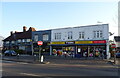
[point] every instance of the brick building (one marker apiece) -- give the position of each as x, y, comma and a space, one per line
19, 40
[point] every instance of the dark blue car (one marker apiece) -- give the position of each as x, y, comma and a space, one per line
117, 55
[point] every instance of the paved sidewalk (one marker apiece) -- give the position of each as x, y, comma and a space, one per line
57, 60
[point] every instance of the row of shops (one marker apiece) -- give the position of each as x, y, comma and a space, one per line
98, 48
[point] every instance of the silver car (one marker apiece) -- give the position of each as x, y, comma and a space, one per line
10, 53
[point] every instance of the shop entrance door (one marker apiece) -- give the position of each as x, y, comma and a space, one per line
82, 51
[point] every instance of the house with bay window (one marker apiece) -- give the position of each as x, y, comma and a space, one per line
80, 40
19, 40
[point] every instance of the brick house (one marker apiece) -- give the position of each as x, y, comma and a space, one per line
19, 40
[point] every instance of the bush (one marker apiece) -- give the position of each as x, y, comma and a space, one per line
18, 51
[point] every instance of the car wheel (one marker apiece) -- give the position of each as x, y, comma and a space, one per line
5, 54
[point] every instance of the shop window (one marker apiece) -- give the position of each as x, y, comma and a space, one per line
70, 35
81, 35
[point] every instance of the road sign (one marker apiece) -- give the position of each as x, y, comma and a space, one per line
40, 43
113, 46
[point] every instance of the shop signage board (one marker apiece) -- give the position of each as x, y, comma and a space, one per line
70, 42
57, 42
83, 42
80, 42
100, 41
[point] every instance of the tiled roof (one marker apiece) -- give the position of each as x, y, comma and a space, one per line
21, 35
117, 38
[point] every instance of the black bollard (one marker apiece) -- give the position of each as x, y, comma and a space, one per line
34, 57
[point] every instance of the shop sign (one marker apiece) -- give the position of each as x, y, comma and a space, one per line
70, 42
83, 42
100, 41
57, 42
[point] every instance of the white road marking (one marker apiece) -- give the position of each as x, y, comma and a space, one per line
28, 74
8, 61
22, 63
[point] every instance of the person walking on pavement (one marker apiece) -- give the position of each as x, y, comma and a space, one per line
65, 54
85, 54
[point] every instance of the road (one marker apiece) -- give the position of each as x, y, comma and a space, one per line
11, 68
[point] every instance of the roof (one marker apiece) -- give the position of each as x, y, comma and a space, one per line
80, 26
117, 38
21, 35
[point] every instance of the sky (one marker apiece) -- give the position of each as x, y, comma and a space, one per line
51, 15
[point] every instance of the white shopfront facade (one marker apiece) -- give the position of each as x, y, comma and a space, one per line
77, 40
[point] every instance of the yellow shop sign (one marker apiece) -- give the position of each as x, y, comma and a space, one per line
83, 42
57, 42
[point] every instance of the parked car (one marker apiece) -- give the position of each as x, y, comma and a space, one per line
117, 55
10, 53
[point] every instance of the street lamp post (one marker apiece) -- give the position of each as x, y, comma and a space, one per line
114, 46
32, 47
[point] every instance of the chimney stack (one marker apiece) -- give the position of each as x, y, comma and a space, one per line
15, 31
11, 32
24, 28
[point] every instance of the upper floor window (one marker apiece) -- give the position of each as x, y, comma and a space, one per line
57, 36
28, 40
98, 34
70, 35
19, 40
12, 42
36, 37
7, 42
45, 37
81, 35
23, 40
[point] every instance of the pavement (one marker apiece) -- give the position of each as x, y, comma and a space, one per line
58, 60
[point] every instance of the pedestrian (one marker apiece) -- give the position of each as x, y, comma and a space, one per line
91, 55
65, 54
58, 53
72, 55
105, 56
85, 54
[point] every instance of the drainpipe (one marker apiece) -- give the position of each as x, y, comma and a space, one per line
107, 49
50, 50
32, 47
